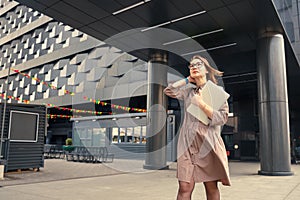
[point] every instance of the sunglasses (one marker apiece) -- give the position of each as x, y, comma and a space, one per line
197, 65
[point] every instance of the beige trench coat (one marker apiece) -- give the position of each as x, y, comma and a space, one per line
201, 153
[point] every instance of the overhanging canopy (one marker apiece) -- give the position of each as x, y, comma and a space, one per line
227, 29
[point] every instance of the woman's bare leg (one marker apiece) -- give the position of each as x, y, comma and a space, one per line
212, 190
185, 190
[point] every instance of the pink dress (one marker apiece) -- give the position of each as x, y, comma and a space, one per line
201, 151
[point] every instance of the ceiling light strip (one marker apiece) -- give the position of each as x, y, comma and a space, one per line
207, 33
222, 46
130, 7
174, 20
195, 36
209, 49
156, 26
188, 16
175, 41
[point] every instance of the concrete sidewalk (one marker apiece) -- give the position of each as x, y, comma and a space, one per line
126, 179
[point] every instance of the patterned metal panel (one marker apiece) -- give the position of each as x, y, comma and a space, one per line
98, 71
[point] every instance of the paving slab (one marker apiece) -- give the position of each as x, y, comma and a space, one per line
126, 179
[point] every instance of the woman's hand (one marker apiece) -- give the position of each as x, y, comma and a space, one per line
191, 80
197, 100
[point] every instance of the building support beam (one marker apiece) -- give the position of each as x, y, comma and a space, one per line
275, 156
156, 144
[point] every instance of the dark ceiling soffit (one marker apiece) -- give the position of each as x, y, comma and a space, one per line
267, 20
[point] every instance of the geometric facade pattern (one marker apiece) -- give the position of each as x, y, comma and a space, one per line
99, 71
16, 19
24, 48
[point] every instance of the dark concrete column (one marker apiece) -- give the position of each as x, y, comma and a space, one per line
156, 113
273, 106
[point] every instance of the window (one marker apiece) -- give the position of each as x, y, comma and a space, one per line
99, 135
89, 137
23, 126
129, 135
115, 135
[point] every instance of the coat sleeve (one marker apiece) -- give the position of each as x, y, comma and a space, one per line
220, 116
177, 93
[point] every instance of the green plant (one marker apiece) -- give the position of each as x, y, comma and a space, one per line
69, 141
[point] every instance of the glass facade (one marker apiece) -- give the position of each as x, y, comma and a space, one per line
288, 11
108, 130
89, 137
125, 137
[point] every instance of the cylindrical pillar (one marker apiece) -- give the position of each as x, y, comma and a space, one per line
273, 106
156, 113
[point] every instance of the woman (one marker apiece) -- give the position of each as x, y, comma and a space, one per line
201, 151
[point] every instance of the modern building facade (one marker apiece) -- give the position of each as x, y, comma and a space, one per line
75, 66
55, 64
